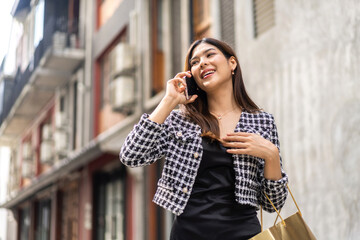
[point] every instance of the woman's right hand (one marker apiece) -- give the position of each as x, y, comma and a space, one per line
176, 87
174, 95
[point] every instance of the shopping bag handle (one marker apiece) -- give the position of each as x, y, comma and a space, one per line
278, 212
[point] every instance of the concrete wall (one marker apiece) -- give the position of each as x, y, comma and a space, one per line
306, 72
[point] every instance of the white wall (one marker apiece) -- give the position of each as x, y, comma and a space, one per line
306, 72
4, 173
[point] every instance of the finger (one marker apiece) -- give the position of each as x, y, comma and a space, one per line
181, 82
245, 134
237, 151
235, 138
192, 99
178, 84
183, 74
235, 145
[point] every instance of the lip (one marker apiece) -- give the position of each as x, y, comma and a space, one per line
205, 71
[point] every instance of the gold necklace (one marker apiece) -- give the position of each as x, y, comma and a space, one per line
219, 117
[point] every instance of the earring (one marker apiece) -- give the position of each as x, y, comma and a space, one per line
232, 72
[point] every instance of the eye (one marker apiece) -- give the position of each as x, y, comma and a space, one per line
194, 62
210, 54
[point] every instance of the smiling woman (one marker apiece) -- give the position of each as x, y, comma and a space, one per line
221, 151
202, 57
218, 64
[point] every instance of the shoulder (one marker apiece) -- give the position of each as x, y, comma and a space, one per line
178, 118
259, 118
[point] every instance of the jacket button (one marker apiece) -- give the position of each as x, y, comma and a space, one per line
179, 134
196, 155
185, 190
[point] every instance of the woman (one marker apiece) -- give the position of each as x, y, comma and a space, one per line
221, 151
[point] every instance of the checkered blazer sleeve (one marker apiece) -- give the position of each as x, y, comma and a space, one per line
276, 190
145, 144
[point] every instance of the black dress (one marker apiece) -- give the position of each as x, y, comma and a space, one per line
212, 212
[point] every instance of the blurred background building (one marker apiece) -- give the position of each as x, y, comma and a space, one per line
85, 71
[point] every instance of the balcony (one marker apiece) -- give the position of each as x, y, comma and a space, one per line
55, 59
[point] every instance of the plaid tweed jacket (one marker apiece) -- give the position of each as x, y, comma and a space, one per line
179, 141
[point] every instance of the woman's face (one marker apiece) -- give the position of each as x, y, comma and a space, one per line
210, 68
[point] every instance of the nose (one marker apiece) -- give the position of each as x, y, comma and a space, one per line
203, 62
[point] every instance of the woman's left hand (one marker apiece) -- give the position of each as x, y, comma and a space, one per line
250, 144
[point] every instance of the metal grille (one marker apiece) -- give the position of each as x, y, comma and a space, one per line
264, 16
227, 22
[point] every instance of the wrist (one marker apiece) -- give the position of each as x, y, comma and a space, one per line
273, 155
169, 101
163, 110
272, 169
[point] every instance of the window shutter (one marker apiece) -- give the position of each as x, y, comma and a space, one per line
227, 22
264, 15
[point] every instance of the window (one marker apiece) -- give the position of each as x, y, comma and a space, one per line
201, 19
43, 217
109, 206
69, 211
75, 141
107, 65
105, 80
157, 51
46, 146
27, 159
157, 225
74, 8
39, 22
61, 122
24, 224
264, 16
112, 94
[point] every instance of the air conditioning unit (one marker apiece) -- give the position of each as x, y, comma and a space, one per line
60, 120
122, 92
59, 40
26, 151
60, 142
46, 152
27, 169
122, 59
46, 132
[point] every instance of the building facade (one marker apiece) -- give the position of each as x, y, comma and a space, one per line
87, 70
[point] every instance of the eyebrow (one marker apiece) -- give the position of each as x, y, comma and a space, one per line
207, 50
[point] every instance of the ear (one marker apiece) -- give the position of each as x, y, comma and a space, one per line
232, 62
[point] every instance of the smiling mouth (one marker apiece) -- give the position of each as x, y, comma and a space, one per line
207, 74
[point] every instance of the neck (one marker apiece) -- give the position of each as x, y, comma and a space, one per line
222, 100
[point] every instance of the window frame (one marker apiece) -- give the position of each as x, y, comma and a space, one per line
102, 180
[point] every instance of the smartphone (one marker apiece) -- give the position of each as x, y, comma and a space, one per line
191, 87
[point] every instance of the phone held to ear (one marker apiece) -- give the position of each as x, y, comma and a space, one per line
191, 87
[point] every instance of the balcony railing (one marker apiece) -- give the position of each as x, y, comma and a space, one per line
57, 33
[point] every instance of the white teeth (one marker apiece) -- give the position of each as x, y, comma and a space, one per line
207, 73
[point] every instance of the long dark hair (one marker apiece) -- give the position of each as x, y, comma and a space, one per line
198, 111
